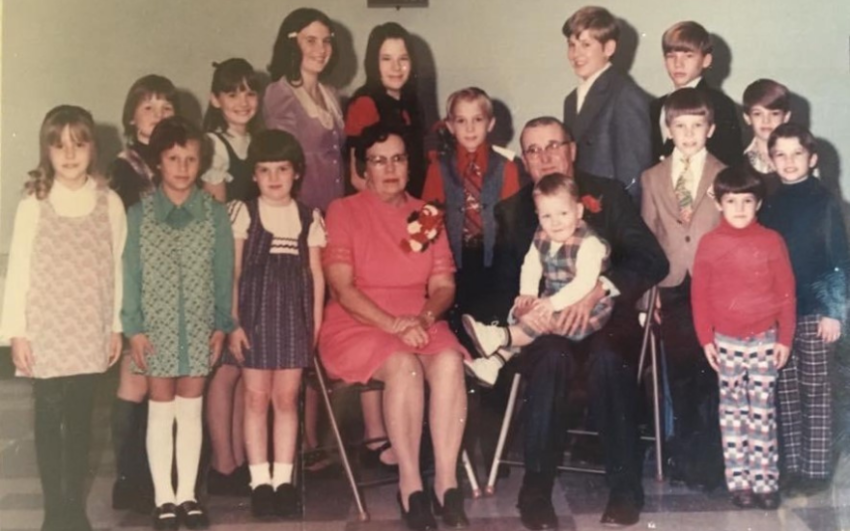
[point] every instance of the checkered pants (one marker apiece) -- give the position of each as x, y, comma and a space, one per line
804, 400
747, 419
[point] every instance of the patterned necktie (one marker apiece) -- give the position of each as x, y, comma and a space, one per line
683, 192
472, 224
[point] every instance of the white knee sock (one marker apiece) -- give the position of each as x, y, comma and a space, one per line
188, 445
281, 474
160, 446
260, 474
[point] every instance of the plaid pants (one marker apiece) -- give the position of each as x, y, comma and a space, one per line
747, 420
804, 400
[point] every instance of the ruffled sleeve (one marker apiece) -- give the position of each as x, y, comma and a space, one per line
340, 244
316, 236
443, 263
279, 107
217, 173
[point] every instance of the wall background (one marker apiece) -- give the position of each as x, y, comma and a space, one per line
89, 52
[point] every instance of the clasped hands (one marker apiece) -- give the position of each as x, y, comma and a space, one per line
538, 312
411, 329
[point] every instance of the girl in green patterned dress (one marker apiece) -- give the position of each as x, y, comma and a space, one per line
178, 272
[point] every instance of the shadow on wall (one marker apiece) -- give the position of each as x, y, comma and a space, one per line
345, 69
624, 57
110, 142
426, 87
721, 63
503, 130
190, 107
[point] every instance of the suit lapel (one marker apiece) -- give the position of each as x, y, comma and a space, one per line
594, 101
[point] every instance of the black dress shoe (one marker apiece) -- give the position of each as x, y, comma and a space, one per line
262, 501
165, 517
286, 501
371, 458
621, 511
452, 509
418, 516
743, 499
536, 510
192, 515
769, 501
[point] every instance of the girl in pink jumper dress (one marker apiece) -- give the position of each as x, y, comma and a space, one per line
60, 310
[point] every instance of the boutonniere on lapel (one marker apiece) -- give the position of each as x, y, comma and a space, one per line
592, 204
423, 227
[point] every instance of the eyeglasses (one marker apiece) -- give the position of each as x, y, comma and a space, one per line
381, 162
535, 151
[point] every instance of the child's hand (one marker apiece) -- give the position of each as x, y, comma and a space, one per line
711, 355
544, 308
216, 344
782, 354
829, 329
522, 305
140, 348
114, 348
238, 342
22, 355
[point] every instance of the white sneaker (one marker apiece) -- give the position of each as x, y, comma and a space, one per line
487, 338
485, 370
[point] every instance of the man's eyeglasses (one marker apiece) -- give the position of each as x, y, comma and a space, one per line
535, 151
381, 161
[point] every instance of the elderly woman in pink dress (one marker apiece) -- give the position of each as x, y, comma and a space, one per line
384, 322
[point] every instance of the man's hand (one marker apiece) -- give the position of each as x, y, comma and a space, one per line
782, 354
140, 348
711, 355
829, 329
216, 344
238, 343
22, 355
575, 317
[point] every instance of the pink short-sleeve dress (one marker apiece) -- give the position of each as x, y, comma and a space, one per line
366, 233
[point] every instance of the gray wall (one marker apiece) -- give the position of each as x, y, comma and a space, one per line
88, 52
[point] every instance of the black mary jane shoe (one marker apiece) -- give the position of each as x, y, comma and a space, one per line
262, 501
371, 458
769, 501
743, 499
418, 516
165, 517
451, 511
192, 516
286, 501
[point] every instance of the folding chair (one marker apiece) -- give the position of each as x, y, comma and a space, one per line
648, 343
363, 514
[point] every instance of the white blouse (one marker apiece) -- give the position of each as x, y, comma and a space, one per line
282, 221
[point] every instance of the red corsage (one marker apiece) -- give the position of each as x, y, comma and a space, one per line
423, 226
592, 204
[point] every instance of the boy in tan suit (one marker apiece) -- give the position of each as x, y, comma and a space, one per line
678, 206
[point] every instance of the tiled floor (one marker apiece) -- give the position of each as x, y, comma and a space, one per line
578, 498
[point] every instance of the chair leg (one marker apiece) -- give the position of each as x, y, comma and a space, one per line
363, 515
470, 475
656, 409
503, 435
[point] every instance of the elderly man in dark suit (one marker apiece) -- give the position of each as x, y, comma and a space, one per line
609, 356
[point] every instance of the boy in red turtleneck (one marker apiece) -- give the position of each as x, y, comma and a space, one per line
744, 313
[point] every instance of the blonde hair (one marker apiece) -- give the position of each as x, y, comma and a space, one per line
471, 94
81, 128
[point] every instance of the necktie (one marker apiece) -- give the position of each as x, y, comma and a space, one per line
683, 193
472, 225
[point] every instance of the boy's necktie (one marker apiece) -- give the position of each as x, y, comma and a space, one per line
683, 192
472, 224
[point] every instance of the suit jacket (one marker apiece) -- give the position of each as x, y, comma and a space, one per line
726, 143
637, 261
660, 211
612, 130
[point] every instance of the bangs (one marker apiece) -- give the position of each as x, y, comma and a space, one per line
80, 132
235, 76
681, 46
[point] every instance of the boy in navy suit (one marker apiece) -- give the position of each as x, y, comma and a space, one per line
687, 54
607, 112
